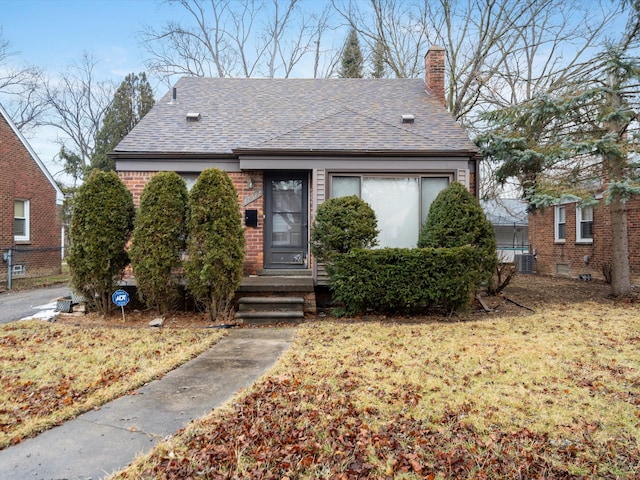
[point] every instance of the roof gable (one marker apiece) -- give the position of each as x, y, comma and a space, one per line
33, 155
347, 115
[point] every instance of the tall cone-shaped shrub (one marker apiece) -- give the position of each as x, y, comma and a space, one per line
456, 219
101, 224
159, 237
215, 243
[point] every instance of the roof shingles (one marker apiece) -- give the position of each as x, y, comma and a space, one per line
347, 115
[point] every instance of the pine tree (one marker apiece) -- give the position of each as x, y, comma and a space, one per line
352, 60
378, 70
132, 101
567, 141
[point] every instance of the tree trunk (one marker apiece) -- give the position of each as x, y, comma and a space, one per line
620, 274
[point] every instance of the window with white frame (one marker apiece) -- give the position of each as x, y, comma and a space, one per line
401, 203
560, 223
584, 224
21, 221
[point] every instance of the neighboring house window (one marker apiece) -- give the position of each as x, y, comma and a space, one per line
560, 224
584, 224
401, 203
21, 220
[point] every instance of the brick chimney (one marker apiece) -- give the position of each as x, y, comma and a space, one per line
434, 76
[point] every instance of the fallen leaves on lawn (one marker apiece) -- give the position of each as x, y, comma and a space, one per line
553, 395
51, 372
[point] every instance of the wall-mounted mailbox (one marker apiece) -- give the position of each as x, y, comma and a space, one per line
251, 218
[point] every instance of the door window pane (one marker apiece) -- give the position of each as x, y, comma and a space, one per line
287, 231
286, 218
396, 203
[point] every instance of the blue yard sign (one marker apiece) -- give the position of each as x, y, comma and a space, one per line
120, 298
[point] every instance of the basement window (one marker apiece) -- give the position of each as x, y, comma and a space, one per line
18, 270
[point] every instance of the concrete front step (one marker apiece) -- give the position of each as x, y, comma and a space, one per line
256, 318
270, 309
271, 303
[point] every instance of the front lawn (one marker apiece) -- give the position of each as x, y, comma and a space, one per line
52, 372
551, 395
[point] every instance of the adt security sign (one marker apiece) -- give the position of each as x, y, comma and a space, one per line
120, 298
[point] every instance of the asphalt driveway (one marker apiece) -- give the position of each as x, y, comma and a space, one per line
39, 302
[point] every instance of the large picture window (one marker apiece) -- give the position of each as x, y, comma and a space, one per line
21, 221
401, 203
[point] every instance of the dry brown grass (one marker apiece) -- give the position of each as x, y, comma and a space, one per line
551, 395
53, 372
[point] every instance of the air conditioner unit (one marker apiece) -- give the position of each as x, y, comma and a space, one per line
525, 263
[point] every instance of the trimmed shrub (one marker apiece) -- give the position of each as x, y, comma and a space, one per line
101, 224
342, 224
215, 242
159, 237
401, 280
456, 219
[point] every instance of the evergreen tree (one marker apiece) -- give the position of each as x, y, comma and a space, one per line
101, 223
158, 239
378, 70
581, 135
132, 101
215, 243
352, 60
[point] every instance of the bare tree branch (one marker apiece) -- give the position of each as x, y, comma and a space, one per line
20, 89
78, 102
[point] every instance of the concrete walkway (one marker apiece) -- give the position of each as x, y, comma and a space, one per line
103, 441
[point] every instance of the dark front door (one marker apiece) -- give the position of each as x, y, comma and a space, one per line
286, 223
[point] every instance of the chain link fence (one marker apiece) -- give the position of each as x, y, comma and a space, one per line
22, 263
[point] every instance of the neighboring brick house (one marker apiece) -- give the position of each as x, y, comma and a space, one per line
289, 144
571, 241
30, 201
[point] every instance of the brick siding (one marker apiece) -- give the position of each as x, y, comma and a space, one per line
254, 252
23, 179
568, 258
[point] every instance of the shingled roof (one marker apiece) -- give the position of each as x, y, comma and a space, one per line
350, 116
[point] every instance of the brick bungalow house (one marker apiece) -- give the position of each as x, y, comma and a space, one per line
289, 144
571, 241
30, 202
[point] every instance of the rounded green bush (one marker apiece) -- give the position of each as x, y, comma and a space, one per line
159, 237
341, 225
456, 219
101, 224
215, 242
